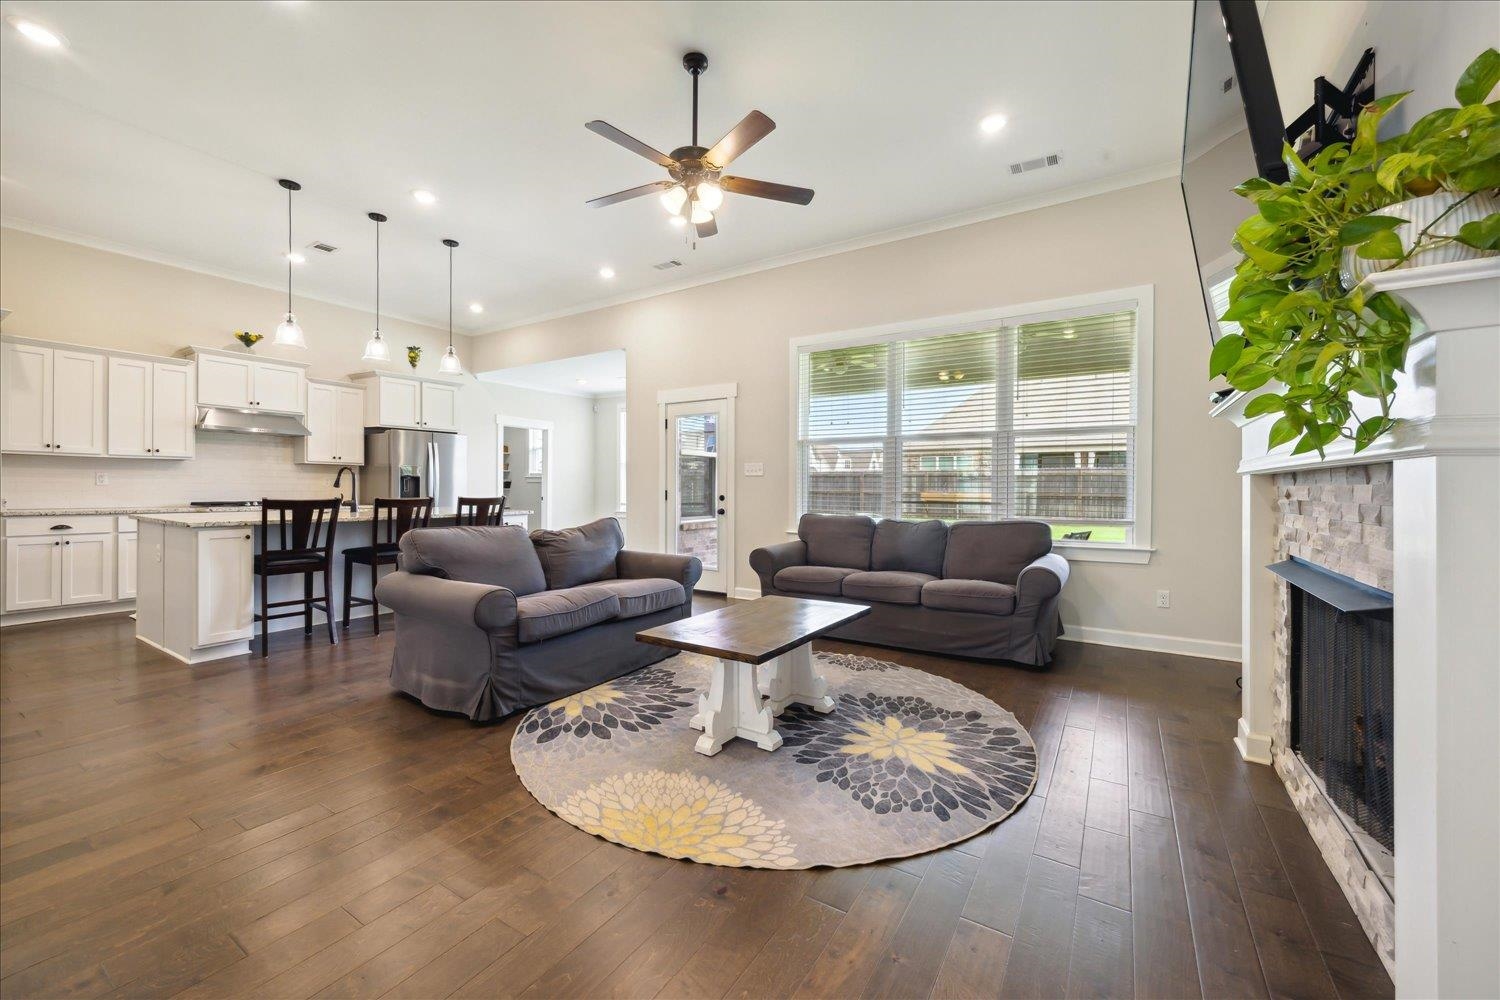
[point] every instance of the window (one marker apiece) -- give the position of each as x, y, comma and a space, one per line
1033, 417
535, 450
620, 460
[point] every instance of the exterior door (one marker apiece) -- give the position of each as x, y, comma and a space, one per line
697, 495
26, 403
172, 411
130, 385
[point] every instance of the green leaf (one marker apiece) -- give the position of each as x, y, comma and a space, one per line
1248, 378
1284, 430
1368, 430
1483, 234
1267, 260
1381, 246
1281, 210
1296, 170
1310, 442
1479, 177
1225, 353
1390, 170
1361, 229
1249, 306
1388, 309
1261, 405
1479, 79
1326, 357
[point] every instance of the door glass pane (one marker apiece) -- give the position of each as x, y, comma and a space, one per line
698, 487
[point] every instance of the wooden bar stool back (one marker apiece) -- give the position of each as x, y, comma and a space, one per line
393, 518
296, 536
486, 512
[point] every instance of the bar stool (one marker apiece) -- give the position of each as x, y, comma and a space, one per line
297, 526
486, 512
392, 519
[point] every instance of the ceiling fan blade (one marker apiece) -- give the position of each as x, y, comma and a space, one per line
766, 189
752, 129
629, 193
630, 142
707, 229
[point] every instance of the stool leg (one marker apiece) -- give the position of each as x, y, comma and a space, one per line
265, 616
348, 587
374, 605
307, 600
333, 636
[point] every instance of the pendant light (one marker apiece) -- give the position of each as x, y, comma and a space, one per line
376, 349
450, 365
288, 333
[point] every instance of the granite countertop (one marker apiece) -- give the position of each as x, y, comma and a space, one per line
243, 518
170, 508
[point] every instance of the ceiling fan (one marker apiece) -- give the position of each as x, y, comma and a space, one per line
697, 181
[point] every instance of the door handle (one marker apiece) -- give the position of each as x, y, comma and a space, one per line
721, 511
61, 527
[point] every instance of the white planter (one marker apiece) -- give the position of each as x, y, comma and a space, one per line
1419, 213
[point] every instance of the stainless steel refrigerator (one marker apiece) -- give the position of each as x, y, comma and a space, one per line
415, 464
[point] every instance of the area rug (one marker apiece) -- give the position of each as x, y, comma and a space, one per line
907, 762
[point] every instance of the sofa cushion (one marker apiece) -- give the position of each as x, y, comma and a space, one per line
826, 581
888, 586
558, 612
979, 596
913, 546
996, 551
837, 539
500, 556
575, 556
644, 596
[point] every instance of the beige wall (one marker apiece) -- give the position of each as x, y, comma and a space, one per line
738, 331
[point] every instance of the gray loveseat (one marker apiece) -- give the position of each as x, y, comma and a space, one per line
490, 620
987, 589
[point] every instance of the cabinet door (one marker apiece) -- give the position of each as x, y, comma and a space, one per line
26, 406
33, 573
321, 445
78, 402
130, 384
88, 569
173, 411
226, 381
400, 402
351, 426
224, 585
278, 388
125, 559
439, 407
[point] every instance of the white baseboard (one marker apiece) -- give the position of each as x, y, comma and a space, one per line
1207, 648
64, 613
1254, 747
746, 593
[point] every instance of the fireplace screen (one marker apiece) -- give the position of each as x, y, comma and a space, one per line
1342, 707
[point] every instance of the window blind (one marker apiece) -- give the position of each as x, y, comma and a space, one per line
1035, 420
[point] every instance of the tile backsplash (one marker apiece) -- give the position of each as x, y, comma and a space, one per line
227, 467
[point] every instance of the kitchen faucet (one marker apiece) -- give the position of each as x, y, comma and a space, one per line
354, 484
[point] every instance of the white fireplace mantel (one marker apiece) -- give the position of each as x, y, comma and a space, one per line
1445, 455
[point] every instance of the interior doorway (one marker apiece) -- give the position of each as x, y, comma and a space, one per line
525, 465
698, 511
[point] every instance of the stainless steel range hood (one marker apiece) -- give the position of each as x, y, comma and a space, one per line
251, 421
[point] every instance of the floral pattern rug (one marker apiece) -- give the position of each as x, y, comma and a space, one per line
907, 762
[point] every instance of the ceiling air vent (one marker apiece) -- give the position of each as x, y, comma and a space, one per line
667, 265
1040, 163
324, 247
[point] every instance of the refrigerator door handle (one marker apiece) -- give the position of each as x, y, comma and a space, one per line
436, 470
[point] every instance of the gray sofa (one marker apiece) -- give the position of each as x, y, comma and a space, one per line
490, 620
987, 590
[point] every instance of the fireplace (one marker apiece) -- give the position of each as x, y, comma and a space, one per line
1342, 708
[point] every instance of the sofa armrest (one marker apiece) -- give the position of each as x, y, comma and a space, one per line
452, 602
768, 560
686, 570
1041, 580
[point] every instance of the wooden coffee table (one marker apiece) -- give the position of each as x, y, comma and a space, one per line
774, 632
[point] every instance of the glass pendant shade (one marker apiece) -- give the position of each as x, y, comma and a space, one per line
289, 334
376, 349
450, 365
701, 215
677, 221
673, 197
709, 195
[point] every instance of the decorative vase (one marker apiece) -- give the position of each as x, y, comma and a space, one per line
248, 339
1420, 213
413, 355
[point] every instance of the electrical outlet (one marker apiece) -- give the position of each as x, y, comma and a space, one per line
1163, 598
101, 479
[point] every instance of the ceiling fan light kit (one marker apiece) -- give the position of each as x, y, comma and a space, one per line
696, 182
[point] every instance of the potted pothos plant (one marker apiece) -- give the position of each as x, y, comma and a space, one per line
1307, 318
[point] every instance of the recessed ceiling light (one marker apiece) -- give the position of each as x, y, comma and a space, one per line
296, 258
475, 308
990, 124
606, 273
36, 34
424, 197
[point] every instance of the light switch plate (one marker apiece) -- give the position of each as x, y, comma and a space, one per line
101, 479
755, 468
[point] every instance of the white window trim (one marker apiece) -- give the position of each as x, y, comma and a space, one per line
621, 458
1143, 298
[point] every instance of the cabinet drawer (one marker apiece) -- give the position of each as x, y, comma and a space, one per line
61, 524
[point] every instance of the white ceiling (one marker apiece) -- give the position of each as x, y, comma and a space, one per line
601, 374
161, 127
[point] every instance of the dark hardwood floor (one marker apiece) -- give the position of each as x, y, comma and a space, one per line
290, 827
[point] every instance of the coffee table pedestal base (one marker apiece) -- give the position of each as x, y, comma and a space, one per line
790, 680
732, 707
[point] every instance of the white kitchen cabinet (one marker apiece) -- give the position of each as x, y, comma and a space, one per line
226, 563
26, 406
150, 408
439, 406
33, 572
226, 381
174, 406
241, 382
78, 402
279, 388
335, 424
88, 569
127, 549
54, 400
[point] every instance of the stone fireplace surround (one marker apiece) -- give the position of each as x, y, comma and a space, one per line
1439, 526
